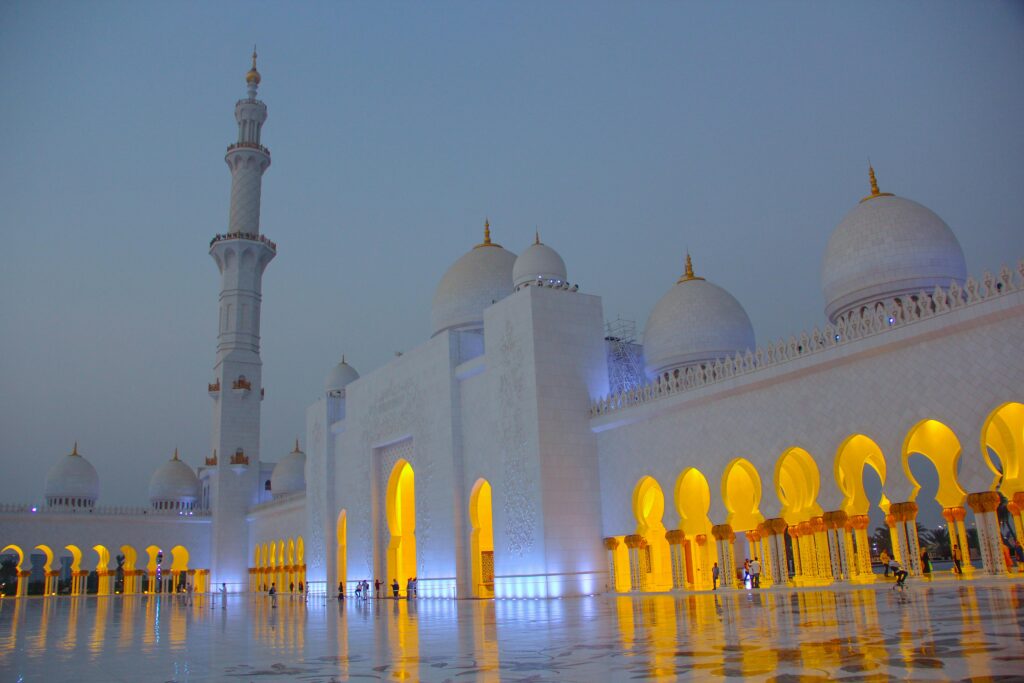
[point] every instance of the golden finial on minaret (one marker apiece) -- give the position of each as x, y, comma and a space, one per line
874, 185
487, 236
253, 76
688, 273
74, 449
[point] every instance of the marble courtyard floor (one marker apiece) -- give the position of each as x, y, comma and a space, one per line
943, 630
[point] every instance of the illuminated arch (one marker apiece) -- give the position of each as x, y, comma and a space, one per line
48, 553
482, 539
855, 453
102, 557
1003, 432
18, 551
796, 482
649, 510
938, 444
401, 518
291, 552
130, 557
693, 501
300, 550
741, 492
342, 531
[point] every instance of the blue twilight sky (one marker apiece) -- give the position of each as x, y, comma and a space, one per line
627, 132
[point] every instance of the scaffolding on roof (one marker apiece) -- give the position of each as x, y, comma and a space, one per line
625, 355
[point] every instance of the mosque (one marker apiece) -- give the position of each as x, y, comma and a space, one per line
524, 450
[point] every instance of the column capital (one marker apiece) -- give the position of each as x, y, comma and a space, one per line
860, 521
610, 543
983, 501
904, 512
675, 536
721, 532
702, 539
835, 519
778, 525
634, 541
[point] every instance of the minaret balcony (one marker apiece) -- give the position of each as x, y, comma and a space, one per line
249, 145
239, 461
241, 386
214, 389
244, 236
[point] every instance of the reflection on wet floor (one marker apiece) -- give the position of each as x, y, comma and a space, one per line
937, 632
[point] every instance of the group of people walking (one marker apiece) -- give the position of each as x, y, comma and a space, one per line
362, 591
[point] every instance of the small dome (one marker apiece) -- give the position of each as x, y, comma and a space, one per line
72, 482
289, 475
694, 322
474, 282
340, 376
538, 261
174, 485
887, 247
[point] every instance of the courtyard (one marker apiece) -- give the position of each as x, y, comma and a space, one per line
938, 630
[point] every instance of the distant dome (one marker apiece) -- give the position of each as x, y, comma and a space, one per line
474, 282
174, 486
340, 376
538, 261
289, 474
72, 482
887, 247
694, 322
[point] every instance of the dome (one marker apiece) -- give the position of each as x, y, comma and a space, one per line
887, 247
253, 76
340, 376
474, 282
289, 474
72, 481
538, 261
174, 483
694, 322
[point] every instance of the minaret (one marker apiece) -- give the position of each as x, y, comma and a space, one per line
241, 254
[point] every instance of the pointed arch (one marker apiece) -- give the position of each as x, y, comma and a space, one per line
401, 519
693, 502
481, 539
649, 511
741, 492
1003, 433
855, 453
937, 442
341, 529
797, 481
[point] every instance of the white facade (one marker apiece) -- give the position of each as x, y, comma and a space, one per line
491, 459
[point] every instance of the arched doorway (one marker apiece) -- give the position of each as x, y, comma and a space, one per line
179, 567
1002, 442
741, 493
401, 518
650, 559
797, 481
858, 457
20, 586
482, 539
104, 575
693, 501
342, 532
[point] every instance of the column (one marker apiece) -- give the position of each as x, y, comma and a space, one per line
610, 544
151, 584
51, 582
894, 541
703, 568
764, 531
984, 505
959, 514
808, 566
777, 550
905, 517
675, 539
860, 524
794, 537
821, 550
23, 575
724, 537
636, 576
1018, 514
838, 544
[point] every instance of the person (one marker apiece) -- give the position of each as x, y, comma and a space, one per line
359, 589
883, 557
714, 577
273, 595
301, 595
1018, 550
341, 590
223, 596
755, 572
746, 571
958, 557
415, 581
376, 588
926, 562
898, 572
408, 588
394, 588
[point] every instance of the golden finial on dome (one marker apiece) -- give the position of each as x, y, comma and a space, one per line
253, 76
175, 453
74, 449
536, 236
296, 446
343, 359
874, 185
487, 236
688, 273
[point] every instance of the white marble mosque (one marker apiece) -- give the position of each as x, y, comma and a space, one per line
524, 451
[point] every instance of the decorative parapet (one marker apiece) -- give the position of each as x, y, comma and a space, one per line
105, 510
278, 501
211, 461
240, 458
869, 322
248, 145
244, 236
241, 384
214, 388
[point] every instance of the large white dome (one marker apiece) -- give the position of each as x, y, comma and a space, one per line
538, 261
72, 482
174, 484
289, 475
340, 376
694, 322
478, 279
887, 247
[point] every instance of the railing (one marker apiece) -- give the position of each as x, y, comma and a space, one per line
248, 145
122, 510
213, 388
242, 383
244, 236
278, 500
879, 319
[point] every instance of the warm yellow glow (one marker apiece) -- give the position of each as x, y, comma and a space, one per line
741, 491
401, 516
797, 482
649, 509
856, 452
482, 539
342, 531
179, 559
1003, 432
621, 559
939, 444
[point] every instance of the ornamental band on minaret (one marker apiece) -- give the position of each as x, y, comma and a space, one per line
242, 254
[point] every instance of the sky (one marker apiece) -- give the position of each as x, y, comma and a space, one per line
627, 133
